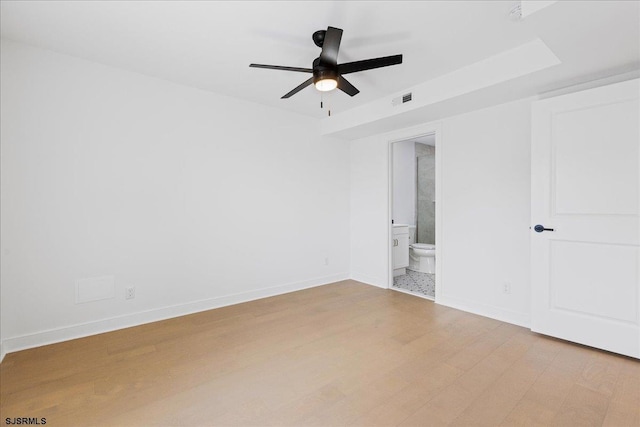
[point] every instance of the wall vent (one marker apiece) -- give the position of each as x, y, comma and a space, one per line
95, 289
401, 99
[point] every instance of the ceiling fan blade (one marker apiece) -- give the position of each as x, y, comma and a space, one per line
331, 46
347, 87
306, 83
278, 67
369, 64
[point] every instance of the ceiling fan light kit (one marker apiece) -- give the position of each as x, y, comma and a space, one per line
325, 85
327, 73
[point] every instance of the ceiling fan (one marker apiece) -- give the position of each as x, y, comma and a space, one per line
327, 73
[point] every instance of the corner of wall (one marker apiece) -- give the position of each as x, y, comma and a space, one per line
368, 280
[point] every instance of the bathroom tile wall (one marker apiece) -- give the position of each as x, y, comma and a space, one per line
426, 177
404, 182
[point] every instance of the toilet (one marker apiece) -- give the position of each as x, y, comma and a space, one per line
422, 256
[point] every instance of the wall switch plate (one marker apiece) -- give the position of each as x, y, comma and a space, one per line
130, 293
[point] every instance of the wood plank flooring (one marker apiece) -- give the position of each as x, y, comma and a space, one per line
338, 355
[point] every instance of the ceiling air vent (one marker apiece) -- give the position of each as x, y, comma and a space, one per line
401, 99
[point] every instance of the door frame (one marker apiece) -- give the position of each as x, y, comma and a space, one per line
403, 135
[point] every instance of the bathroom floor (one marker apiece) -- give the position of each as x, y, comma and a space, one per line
420, 283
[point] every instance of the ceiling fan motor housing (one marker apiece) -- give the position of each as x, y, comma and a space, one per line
323, 72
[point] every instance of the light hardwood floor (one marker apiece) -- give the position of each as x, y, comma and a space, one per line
340, 354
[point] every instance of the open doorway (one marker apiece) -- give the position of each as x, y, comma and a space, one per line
413, 212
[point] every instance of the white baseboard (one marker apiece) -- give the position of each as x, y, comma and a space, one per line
368, 280
2, 352
135, 319
486, 310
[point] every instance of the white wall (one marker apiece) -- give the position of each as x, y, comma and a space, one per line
197, 200
404, 182
370, 220
485, 201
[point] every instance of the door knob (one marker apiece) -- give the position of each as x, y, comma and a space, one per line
540, 228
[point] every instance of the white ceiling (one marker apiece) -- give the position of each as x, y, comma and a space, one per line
209, 45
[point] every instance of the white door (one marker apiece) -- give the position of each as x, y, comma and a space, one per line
586, 187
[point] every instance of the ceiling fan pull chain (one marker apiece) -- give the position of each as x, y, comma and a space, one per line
329, 106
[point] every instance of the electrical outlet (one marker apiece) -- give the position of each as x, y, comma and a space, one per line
130, 293
506, 288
